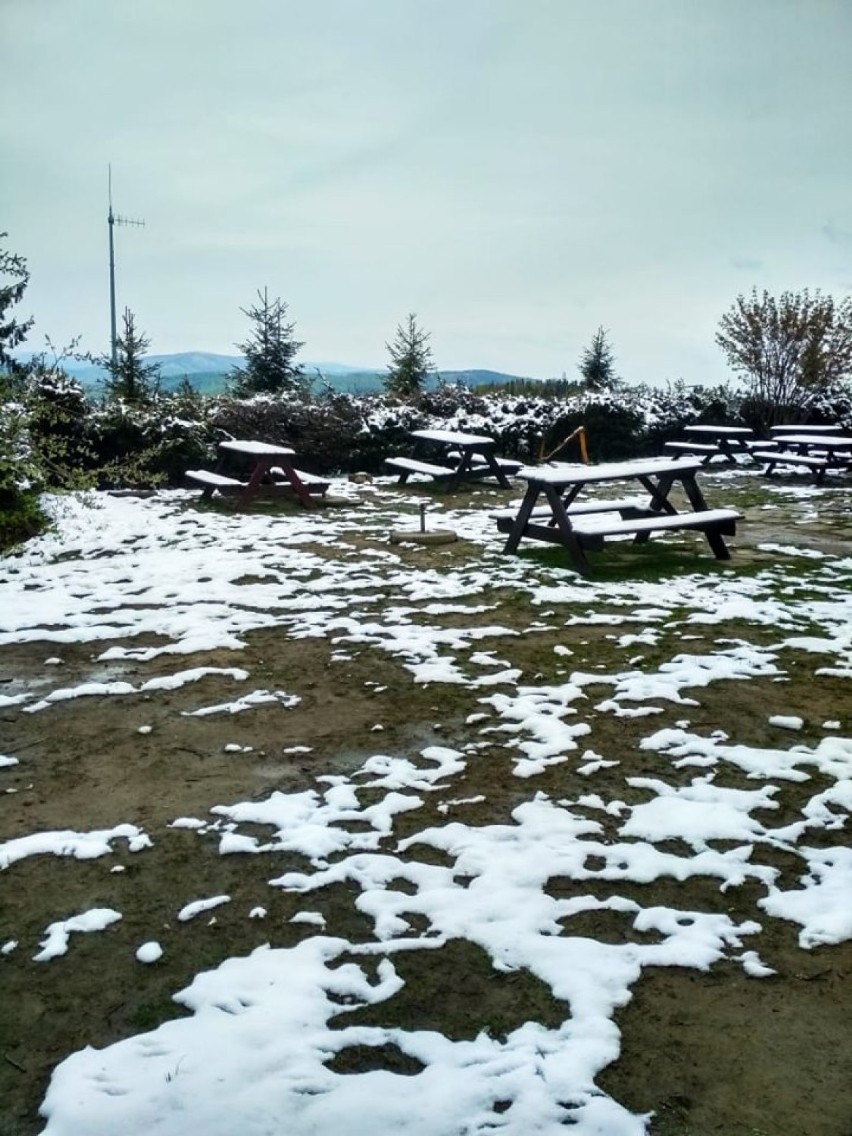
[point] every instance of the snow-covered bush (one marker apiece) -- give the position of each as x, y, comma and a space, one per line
144, 445
335, 432
833, 406
24, 458
59, 426
19, 472
54, 436
332, 432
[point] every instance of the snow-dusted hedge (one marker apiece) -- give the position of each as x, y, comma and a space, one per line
66, 440
340, 432
119, 444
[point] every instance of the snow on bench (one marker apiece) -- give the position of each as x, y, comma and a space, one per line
706, 520
412, 465
788, 457
509, 465
214, 480
311, 479
581, 508
690, 448
313, 483
819, 463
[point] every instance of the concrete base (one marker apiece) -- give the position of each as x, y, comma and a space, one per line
416, 536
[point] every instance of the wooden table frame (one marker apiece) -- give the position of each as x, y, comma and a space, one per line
472, 457
576, 527
267, 459
711, 441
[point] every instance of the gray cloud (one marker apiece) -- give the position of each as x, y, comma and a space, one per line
516, 172
750, 264
836, 235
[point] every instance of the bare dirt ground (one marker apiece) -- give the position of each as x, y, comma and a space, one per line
710, 1053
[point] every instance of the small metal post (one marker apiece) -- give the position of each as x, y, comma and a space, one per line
423, 516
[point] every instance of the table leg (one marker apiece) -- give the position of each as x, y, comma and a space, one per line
299, 487
717, 544
566, 502
260, 470
496, 471
569, 537
696, 499
570, 496
659, 491
524, 513
463, 465
693, 494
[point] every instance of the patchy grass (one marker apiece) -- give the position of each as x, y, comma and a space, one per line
708, 1052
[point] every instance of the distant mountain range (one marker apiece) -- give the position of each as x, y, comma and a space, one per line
208, 373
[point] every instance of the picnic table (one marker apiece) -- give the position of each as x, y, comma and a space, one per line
462, 457
578, 525
273, 474
727, 442
818, 450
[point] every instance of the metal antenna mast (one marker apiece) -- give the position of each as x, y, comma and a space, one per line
114, 220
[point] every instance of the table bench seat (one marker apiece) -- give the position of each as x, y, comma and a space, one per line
510, 465
818, 460
312, 479
714, 523
214, 480
789, 457
691, 448
412, 465
313, 483
624, 505
722, 521
482, 469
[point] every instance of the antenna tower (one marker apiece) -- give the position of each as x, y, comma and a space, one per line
113, 220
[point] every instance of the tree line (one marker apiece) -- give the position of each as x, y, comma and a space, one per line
788, 349
793, 353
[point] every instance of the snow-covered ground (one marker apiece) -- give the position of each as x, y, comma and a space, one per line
256, 1047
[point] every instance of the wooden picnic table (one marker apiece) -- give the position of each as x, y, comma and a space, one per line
561, 519
462, 457
817, 450
712, 441
272, 474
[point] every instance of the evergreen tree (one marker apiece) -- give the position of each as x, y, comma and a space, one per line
130, 379
597, 363
270, 352
411, 360
12, 332
20, 512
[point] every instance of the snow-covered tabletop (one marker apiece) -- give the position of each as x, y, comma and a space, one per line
453, 438
565, 473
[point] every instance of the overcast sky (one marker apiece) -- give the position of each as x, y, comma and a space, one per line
515, 172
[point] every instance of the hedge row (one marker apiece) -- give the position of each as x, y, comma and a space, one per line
73, 440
